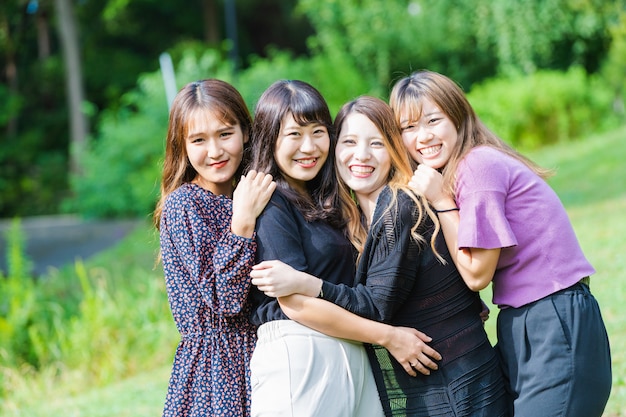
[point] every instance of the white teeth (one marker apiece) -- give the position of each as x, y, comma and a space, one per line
306, 161
430, 150
362, 170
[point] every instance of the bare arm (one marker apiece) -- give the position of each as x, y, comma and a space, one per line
297, 292
475, 265
407, 345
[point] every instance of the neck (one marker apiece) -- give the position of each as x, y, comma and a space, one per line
225, 188
367, 203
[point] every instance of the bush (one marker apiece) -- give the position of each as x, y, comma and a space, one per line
546, 107
90, 323
334, 76
121, 171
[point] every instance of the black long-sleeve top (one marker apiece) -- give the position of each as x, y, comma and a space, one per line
317, 248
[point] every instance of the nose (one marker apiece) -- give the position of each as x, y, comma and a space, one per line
214, 149
308, 144
362, 152
424, 134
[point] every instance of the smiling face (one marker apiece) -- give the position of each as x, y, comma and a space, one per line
431, 138
362, 160
301, 151
215, 150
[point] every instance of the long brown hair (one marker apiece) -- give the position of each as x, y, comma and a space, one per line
407, 94
210, 95
381, 115
306, 105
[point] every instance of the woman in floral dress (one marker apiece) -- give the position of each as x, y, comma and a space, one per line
206, 230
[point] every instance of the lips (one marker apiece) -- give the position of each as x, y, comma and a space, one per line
431, 150
220, 164
361, 170
307, 163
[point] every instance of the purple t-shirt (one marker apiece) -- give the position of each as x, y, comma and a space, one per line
503, 204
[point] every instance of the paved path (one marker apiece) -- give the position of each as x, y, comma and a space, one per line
54, 241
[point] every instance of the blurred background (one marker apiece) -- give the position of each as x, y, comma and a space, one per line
84, 93
83, 105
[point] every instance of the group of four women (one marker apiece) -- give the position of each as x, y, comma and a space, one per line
332, 269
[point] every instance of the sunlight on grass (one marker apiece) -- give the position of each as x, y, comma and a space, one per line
142, 395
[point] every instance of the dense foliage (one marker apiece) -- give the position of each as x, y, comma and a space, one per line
345, 48
89, 322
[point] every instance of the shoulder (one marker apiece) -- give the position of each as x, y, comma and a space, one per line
278, 209
180, 197
400, 205
483, 155
192, 198
484, 162
278, 203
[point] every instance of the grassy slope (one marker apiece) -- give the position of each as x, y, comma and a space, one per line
591, 180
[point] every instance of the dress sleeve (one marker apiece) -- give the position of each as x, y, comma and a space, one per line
388, 267
482, 186
217, 261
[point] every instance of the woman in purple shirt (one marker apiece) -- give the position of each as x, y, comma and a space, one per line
504, 224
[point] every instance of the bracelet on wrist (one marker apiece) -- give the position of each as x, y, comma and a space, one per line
447, 210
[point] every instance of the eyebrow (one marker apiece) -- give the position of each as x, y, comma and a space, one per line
201, 133
421, 116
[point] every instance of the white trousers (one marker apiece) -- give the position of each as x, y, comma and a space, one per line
299, 372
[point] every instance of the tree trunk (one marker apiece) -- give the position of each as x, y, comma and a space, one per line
10, 69
211, 25
43, 35
74, 82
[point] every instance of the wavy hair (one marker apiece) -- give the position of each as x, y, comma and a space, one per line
214, 97
381, 115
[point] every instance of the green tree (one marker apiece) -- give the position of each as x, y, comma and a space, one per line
469, 40
532, 34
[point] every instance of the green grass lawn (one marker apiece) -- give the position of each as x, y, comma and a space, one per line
591, 180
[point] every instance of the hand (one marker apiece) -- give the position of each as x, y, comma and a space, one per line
277, 279
428, 182
249, 199
409, 348
253, 192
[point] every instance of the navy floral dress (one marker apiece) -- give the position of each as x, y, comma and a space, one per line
207, 275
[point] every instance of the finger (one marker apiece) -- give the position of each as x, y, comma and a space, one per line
431, 353
419, 367
262, 265
257, 281
428, 363
423, 336
408, 369
267, 178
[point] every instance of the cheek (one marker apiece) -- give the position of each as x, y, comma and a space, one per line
325, 146
409, 144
